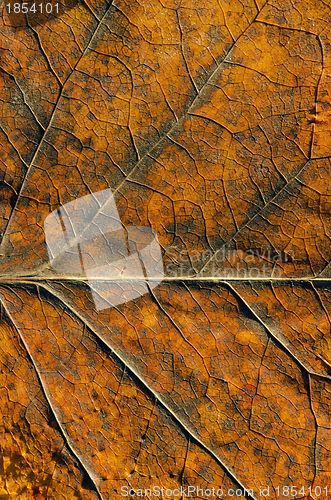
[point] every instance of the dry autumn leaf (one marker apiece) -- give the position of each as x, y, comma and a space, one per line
208, 126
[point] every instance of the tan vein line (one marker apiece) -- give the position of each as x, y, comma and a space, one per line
179, 279
257, 214
193, 103
48, 398
49, 125
172, 128
156, 395
274, 337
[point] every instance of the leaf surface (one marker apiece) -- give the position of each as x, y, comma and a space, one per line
210, 124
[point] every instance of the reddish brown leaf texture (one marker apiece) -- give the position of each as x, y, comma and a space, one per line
210, 122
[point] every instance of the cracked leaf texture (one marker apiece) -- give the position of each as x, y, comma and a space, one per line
211, 123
